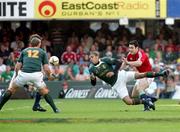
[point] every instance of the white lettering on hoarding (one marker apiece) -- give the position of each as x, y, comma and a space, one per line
72, 93
105, 93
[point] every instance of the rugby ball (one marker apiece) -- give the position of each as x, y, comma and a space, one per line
54, 60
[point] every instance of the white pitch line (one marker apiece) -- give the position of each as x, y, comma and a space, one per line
16, 108
169, 105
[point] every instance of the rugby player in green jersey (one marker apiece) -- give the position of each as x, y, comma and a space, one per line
30, 62
103, 69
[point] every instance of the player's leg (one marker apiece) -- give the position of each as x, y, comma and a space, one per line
15, 83
123, 94
121, 89
45, 93
151, 91
132, 101
43, 90
140, 85
7, 94
164, 73
37, 106
137, 101
37, 79
135, 92
138, 91
125, 77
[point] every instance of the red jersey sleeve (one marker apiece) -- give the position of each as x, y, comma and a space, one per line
141, 56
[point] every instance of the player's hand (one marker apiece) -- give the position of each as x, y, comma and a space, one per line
92, 77
124, 60
109, 74
51, 77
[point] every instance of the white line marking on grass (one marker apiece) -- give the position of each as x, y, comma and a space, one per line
169, 105
27, 107
17, 108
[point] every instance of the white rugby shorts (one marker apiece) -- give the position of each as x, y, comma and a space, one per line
36, 78
120, 85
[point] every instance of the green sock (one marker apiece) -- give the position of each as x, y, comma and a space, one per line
154, 74
5, 97
50, 101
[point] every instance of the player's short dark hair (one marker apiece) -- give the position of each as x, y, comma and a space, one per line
34, 40
96, 53
134, 42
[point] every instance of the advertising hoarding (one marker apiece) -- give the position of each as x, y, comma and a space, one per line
102, 9
16, 9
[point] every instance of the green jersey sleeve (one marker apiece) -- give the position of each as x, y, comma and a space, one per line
108, 60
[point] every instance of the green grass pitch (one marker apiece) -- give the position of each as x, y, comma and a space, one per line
84, 115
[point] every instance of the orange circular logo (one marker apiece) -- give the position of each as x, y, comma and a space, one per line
47, 9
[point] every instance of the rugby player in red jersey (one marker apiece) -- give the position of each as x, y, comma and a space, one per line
138, 60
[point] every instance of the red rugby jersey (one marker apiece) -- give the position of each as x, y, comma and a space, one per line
141, 55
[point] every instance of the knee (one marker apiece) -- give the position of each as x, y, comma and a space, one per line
138, 88
12, 90
43, 91
12, 87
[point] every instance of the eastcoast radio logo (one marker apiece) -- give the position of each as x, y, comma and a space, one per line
47, 8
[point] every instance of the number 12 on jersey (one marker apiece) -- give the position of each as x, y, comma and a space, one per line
33, 53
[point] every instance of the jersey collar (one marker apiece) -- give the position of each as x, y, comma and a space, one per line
99, 63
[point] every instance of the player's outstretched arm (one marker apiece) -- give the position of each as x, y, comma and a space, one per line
93, 79
118, 63
48, 72
133, 63
17, 68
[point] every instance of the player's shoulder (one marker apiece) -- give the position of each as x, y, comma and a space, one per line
141, 52
41, 50
24, 50
105, 59
108, 59
91, 66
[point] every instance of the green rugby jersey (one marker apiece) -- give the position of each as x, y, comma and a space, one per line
33, 59
104, 66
